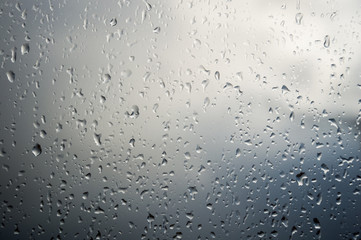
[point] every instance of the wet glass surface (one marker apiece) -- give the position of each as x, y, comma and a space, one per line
180, 119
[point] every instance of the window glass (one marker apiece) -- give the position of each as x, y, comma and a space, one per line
183, 119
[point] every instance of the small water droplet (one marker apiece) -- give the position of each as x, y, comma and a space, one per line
298, 18
11, 76
238, 152
37, 150
217, 75
205, 84
333, 15
325, 168
85, 195
292, 116
150, 219
149, 7
126, 73
317, 223
206, 103
285, 89
97, 139
13, 54
106, 78
16, 231
134, 112
326, 43
25, 48
301, 178
99, 210
132, 142
156, 30
113, 22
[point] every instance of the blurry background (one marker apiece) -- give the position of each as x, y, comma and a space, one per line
180, 119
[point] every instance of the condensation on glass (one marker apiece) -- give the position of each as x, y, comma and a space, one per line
180, 119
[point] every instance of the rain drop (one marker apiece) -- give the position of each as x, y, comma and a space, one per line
298, 18
106, 78
25, 48
37, 150
217, 75
11, 76
326, 42
156, 30
148, 6
113, 22
134, 112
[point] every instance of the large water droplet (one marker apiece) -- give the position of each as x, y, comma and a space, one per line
317, 223
11, 76
37, 150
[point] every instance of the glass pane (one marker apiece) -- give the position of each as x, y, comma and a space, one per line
180, 119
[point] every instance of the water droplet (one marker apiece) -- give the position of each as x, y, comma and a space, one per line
206, 103
301, 178
97, 139
106, 78
326, 43
210, 206
13, 54
126, 73
333, 15
148, 6
85, 195
16, 231
192, 191
37, 150
156, 30
205, 84
298, 18
238, 152
134, 112
11, 76
292, 116
285, 89
132, 142
113, 22
317, 223
150, 219
324, 168
99, 210
217, 75
333, 123
25, 48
